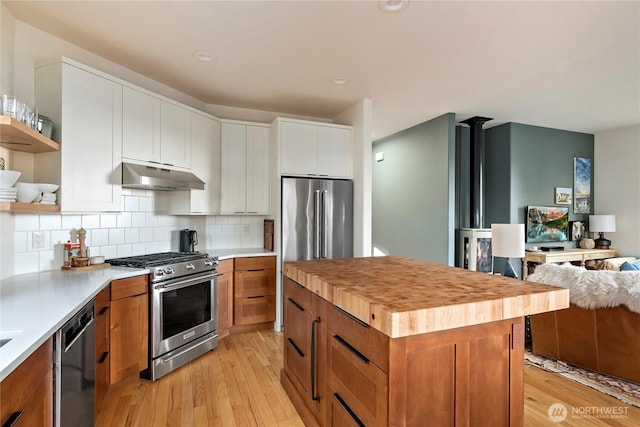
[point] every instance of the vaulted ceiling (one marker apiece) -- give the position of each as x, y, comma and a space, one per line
570, 65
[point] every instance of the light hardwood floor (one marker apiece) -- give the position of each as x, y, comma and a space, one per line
238, 384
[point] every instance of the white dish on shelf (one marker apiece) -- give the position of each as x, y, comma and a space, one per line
47, 188
8, 178
27, 191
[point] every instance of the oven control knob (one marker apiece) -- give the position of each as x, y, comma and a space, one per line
159, 272
190, 266
169, 270
209, 262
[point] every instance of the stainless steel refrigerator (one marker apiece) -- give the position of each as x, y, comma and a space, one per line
317, 218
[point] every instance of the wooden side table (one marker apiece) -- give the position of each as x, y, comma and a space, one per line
567, 255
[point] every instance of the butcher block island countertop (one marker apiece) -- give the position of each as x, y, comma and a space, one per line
397, 342
402, 297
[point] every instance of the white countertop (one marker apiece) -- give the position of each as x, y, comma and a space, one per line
34, 306
223, 254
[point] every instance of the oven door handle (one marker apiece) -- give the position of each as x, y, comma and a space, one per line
181, 283
185, 350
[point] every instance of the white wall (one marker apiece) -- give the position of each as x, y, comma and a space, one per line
617, 185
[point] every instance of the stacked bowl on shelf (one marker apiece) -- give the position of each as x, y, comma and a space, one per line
8, 193
40, 193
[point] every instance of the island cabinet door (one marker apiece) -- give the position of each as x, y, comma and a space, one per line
473, 375
305, 352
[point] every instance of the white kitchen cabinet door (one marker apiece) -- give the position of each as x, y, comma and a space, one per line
334, 151
175, 135
258, 170
298, 148
205, 163
140, 126
88, 110
233, 168
311, 149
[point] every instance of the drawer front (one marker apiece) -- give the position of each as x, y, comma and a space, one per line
298, 295
101, 380
255, 263
225, 266
368, 340
254, 283
102, 321
252, 310
297, 357
123, 288
361, 386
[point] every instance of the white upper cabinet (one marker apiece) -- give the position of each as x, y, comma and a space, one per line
154, 130
175, 135
87, 109
205, 164
245, 170
140, 126
314, 149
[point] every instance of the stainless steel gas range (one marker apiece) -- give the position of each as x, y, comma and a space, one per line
183, 307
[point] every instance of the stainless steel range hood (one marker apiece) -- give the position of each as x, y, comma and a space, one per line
156, 178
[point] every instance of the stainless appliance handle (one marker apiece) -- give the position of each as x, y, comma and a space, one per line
323, 199
181, 283
78, 335
316, 224
187, 349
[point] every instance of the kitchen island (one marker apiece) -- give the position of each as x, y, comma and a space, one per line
396, 341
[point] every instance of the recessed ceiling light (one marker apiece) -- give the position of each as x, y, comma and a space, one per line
393, 5
203, 56
339, 80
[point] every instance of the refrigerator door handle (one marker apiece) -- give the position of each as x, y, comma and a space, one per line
317, 229
323, 234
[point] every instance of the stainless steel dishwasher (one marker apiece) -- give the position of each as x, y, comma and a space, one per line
74, 378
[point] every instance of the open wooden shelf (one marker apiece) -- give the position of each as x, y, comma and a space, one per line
27, 207
17, 136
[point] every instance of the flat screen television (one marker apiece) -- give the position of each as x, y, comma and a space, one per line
547, 224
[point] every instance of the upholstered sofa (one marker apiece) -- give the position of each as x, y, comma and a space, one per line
601, 329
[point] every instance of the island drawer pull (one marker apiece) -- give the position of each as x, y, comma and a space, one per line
256, 296
348, 410
296, 347
298, 306
352, 317
352, 349
13, 419
314, 396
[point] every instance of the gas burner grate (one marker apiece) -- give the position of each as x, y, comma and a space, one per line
158, 259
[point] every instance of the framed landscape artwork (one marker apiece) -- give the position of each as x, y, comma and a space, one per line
582, 185
563, 195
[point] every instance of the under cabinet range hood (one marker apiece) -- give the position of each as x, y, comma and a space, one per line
156, 178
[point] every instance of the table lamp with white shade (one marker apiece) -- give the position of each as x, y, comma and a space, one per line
507, 241
602, 224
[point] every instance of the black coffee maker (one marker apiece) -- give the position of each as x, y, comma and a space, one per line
188, 240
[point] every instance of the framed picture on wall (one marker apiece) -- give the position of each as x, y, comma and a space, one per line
576, 230
582, 185
563, 195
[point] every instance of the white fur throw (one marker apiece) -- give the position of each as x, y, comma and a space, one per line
592, 288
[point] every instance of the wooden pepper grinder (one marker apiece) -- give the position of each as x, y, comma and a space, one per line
82, 234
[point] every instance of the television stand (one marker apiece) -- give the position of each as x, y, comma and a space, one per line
567, 255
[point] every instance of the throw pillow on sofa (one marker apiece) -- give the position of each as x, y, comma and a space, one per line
630, 266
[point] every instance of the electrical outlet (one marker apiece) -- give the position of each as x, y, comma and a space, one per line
37, 240
247, 229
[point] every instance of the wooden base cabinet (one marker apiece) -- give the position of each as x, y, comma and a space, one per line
254, 281
102, 319
225, 297
129, 327
27, 393
470, 376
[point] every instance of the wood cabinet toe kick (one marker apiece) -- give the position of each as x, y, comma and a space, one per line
394, 341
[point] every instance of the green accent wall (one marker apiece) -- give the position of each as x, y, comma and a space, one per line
413, 192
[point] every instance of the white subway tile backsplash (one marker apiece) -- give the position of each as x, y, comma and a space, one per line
116, 236
50, 222
131, 204
108, 221
27, 222
123, 220
135, 231
90, 221
139, 219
